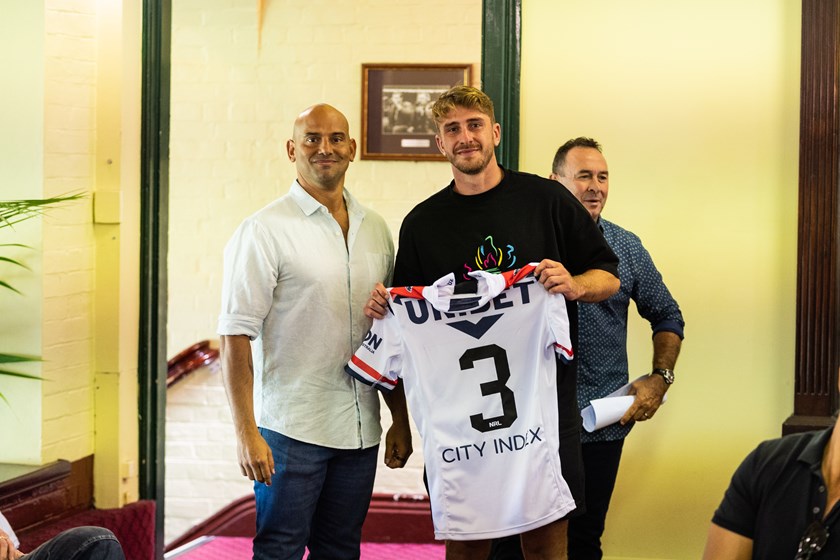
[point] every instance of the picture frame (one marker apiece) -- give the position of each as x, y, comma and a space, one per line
396, 99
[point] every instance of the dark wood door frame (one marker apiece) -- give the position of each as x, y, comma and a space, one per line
817, 301
154, 223
501, 46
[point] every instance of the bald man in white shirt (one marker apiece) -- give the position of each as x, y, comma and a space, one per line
296, 278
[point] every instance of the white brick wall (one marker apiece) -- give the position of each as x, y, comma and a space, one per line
69, 251
233, 106
202, 473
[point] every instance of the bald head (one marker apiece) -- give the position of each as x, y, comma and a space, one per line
321, 147
318, 112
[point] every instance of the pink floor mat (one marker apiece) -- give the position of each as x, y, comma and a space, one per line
239, 548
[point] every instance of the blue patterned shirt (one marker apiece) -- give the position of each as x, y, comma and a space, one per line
601, 351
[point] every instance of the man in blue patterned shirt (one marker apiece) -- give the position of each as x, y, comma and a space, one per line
602, 341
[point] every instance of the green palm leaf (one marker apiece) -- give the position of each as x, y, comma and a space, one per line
13, 261
18, 358
9, 286
18, 374
14, 211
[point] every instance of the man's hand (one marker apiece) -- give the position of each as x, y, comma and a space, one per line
377, 305
255, 458
557, 280
7, 547
649, 392
398, 445
398, 438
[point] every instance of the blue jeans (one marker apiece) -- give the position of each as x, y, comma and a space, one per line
318, 498
80, 543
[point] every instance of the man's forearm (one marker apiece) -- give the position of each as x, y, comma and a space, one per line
597, 285
395, 400
666, 349
238, 377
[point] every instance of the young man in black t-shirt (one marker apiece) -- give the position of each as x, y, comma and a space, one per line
495, 219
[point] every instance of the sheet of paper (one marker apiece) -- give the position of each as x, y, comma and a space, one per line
609, 410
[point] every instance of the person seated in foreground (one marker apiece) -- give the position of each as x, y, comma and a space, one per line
782, 502
78, 543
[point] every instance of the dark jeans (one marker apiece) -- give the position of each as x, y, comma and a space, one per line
80, 543
318, 498
600, 461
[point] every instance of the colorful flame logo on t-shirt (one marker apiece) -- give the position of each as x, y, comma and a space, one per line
491, 258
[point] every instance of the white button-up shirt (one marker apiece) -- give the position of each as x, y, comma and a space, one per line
294, 287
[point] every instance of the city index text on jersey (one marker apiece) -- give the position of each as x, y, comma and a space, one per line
501, 445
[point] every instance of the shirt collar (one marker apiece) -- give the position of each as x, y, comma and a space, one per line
601, 222
309, 205
812, 454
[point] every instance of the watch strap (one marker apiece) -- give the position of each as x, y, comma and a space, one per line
667, 374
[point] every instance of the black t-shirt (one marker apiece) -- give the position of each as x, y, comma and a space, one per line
525, 218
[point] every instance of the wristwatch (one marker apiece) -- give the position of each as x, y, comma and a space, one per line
667, 374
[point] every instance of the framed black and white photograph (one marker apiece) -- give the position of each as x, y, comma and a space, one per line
396, 108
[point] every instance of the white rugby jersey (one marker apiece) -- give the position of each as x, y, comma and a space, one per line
480, 376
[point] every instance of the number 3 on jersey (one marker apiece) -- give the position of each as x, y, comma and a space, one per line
500, 361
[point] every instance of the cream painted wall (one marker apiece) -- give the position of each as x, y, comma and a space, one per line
22, 176
696, 104
233, 106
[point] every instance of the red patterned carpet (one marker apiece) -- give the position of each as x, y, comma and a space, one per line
239, 548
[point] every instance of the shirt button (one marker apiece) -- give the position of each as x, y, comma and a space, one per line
822, 489
816, 510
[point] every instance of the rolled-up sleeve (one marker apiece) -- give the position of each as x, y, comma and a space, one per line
249, 281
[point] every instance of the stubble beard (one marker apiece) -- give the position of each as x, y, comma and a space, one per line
473, 167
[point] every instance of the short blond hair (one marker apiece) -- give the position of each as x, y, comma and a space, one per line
462, 96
